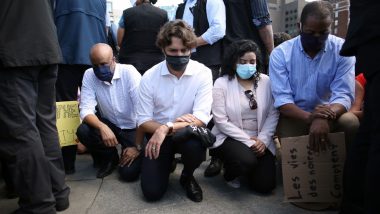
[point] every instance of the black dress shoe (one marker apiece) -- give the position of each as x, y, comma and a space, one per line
193, 190
214, 168
107, 168
62, 205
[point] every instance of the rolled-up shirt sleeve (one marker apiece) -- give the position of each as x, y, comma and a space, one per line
203, 98
279, 77
343, 85
216, 16
145, 104
88, 95
260, 13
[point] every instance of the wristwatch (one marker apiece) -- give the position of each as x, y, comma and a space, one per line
170, 125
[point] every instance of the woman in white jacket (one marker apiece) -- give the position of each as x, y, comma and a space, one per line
245, 118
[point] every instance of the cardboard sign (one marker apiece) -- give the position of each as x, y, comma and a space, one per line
311, 177
67, 122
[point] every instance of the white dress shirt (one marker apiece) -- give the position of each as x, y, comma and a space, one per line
117, 101
163, 97
216, 16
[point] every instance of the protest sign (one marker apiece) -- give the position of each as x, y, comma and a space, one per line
309, 176
67, 122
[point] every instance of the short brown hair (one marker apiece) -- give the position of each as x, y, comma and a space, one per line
179, 29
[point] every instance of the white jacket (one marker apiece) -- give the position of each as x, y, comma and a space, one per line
226, 110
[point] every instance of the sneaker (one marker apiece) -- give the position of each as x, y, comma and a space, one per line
235, 183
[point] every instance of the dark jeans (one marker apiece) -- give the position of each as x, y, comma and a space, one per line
29, 144
240, 160
69, 79
361, 178
90, 137
155, 172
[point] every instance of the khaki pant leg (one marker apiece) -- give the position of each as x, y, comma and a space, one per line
289, 127
349, 124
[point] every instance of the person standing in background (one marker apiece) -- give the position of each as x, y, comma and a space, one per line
80, 25
29, 145
137, 33
208, 18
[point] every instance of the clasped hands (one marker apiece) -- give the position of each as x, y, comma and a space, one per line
152, 149
259, 147
319, 127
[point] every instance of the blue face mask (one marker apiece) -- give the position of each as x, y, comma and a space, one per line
245, 71
103, 72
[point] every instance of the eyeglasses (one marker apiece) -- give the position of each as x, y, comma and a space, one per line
252, 102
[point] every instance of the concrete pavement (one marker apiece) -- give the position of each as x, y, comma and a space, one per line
90, 195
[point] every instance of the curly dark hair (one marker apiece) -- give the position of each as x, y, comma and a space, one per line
280, 37
179, 29
233, 53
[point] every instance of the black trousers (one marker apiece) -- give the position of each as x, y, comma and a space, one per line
28, 137
155, 172
361, 179
68, 81
240, 160
91, 138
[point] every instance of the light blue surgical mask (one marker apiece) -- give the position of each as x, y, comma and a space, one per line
245, 71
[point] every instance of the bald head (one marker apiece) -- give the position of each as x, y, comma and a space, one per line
101, 54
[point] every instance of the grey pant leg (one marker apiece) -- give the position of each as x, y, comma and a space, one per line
46, 123
20, 141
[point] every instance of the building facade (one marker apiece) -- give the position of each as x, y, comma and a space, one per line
286, 14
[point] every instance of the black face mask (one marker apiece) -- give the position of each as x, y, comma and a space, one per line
313, 43
178, 63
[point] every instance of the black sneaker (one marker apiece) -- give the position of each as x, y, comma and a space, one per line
214, 168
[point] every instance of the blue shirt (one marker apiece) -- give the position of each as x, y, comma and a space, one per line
297, 78
216, 16
80, 25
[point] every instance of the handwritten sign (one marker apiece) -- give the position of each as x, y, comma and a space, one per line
67, 122
311, 177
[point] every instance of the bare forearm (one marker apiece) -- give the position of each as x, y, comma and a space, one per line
293, 111
201, 41
152, 126
93, 121
339, 109
120, 35
139, 136
266, 35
